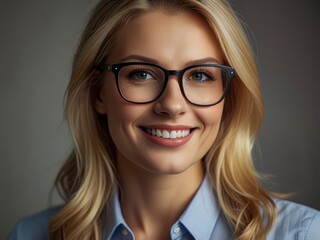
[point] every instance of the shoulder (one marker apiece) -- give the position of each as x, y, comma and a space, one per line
33, 227
295, 221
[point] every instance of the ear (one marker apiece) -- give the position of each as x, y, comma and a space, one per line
100, 103
99, 98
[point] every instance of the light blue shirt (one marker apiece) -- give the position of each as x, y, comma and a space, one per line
202, 220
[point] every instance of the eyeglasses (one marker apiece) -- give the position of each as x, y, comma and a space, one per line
141, 82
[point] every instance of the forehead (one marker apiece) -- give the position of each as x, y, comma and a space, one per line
171, 39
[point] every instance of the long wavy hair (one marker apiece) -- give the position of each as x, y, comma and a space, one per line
88, 177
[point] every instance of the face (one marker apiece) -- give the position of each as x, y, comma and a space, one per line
173, 41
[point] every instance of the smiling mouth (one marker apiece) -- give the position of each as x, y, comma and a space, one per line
163, 133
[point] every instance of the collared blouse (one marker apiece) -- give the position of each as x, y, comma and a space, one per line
202, 220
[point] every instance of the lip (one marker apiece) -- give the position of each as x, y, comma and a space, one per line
168, 142
169, 127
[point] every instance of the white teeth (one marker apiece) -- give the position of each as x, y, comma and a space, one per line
179, 134
168, 134
173, 134
158, 133
165, 134
185, 133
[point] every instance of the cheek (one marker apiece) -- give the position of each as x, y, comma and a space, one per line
119, 114
122, 116
211, 116
118, 108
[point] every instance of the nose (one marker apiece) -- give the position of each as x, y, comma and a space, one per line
171, 102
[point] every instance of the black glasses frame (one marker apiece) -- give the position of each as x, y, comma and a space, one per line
115, 69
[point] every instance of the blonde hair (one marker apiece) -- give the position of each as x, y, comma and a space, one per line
88, 177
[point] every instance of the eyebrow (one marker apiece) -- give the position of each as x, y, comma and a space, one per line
154, 61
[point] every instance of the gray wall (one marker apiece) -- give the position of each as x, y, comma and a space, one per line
287, 45
38, 39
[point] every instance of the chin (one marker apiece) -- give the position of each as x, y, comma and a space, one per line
172, 167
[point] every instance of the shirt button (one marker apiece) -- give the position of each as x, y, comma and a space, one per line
177, 229
124, 232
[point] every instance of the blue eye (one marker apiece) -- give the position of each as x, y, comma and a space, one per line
199, 76
140, 75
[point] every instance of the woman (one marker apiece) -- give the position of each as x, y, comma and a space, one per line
163, 105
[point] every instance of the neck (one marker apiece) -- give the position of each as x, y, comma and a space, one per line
152, 203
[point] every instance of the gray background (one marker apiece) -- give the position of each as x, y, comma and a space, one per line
37, 41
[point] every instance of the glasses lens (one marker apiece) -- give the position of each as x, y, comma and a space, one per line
140, 83
204, 85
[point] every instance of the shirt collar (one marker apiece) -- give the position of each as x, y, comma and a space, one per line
202, 213
204, 206
114, 218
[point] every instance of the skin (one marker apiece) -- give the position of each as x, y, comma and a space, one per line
158, 181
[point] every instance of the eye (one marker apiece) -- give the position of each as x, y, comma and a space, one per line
140, 75
200, 76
